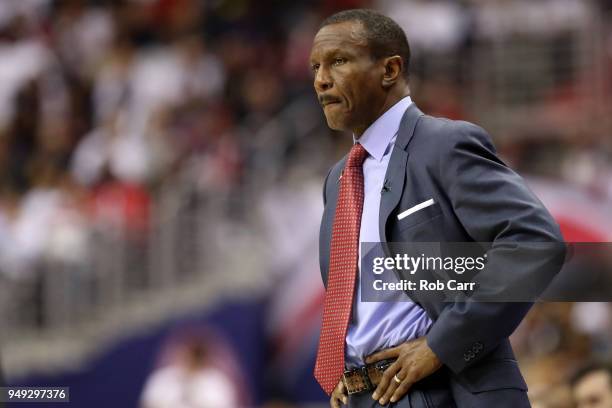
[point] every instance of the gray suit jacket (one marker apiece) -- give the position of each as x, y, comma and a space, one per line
477, 199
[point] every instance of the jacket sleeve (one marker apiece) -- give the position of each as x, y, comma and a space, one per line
495, 206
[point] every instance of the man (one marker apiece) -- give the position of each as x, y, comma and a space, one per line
592, 387
191, 381
424, 352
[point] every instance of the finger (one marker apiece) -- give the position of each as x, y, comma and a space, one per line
385, 380
339, 395
382, 355
401, 390
343, 393
336, 399
393, 385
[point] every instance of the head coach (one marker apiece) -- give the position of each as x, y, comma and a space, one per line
445, 178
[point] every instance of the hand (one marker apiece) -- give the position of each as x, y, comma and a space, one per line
414, 361
339, 395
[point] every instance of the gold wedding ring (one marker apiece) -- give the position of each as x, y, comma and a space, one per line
397, 380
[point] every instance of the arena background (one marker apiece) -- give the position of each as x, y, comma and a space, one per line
161, 164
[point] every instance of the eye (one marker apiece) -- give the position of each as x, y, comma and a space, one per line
315, 67
339, 61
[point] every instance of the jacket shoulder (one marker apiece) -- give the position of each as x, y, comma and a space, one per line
443, 132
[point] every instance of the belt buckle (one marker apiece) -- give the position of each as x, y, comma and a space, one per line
345, 378
360, 372
366, 378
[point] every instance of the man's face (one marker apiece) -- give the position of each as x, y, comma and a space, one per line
347, 80
594, 391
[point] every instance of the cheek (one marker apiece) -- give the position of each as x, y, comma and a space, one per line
349, 88
362, 90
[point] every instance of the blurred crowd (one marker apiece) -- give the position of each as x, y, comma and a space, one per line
106, 103
101, 102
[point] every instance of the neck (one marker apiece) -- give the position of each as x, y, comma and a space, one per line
393, 96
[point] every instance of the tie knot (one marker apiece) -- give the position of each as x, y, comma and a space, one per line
356, 156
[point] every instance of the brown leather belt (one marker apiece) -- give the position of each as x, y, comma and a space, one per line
365, 378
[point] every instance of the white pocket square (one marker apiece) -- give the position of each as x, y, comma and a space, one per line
414, 209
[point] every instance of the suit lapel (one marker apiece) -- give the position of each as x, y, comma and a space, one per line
396, 171
333, 181
392, 191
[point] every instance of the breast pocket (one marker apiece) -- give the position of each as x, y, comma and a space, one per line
418, 214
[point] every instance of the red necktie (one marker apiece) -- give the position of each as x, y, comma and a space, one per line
344, 253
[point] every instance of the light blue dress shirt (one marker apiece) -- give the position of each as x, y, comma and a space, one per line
378, 325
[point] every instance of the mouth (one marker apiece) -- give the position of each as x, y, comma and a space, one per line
327, 101
325, 105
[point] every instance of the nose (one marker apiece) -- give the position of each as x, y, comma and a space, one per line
323, 80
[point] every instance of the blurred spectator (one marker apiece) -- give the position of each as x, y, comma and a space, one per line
547, 17
438, 26
190, 382
592, 386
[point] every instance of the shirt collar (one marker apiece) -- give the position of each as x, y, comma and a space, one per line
377, 137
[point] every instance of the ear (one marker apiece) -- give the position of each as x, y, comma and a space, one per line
394, 68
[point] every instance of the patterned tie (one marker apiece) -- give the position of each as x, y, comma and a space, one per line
344, 253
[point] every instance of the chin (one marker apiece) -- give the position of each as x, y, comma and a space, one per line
335, 124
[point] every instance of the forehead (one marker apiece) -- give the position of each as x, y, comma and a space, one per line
348, 34
596, 381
